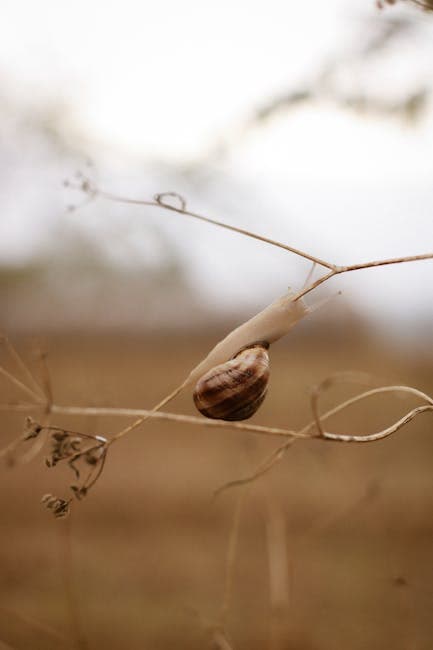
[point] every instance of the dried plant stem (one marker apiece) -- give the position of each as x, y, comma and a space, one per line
72, 600
93, 476
79, 434
265, 466
365, 395
7, 451
220, 424
392, 260
148, 414
335, 269
46, 380
20, 363
19, 384
243, 426
219, 640
231, 559
19, 406
379, 435
278, 454
34, 450
279, 575
173, 417
251, 428
160, 203
339, 270
314, 285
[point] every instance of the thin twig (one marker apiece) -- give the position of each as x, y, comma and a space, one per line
392, 260
79, 434
34, 450
279, 575
20, 406
173, 417
214, 222
149, 414
325, 384
93, 476
219, 640
17, 382
230, 560
265, 466
323, 278
46, 379
72, 600
379, 435
278, 454
218, 424
335, 269
365, 395
316, 414
20, 363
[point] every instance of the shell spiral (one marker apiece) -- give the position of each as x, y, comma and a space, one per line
234, 390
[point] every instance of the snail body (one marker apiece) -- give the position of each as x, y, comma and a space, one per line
271, 324
234, 390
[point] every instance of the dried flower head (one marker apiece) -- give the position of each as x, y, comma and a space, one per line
31, 429
80, 491
59, 507
94, 455
63, 446
70, 446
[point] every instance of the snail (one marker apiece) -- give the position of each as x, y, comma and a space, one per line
234, 390
241, 356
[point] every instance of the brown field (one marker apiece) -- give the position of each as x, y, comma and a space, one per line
145, 561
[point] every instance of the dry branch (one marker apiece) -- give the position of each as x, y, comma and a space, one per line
269, 325
290, 301
86, 454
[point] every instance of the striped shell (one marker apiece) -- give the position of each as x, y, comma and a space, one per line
234, 390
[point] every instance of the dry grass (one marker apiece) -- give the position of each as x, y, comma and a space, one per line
149, 546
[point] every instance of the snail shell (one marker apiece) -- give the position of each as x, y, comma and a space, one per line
234, 390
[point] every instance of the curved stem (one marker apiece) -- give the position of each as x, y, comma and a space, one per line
214, 222
365, 395
335, 269
379, 435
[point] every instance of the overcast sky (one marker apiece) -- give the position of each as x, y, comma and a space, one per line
166, 80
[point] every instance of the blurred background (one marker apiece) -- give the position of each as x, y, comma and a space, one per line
310, 123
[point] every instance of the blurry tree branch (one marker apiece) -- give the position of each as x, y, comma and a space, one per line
376, 38
427, 5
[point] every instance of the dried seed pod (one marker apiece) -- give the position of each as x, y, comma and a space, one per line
234, 390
